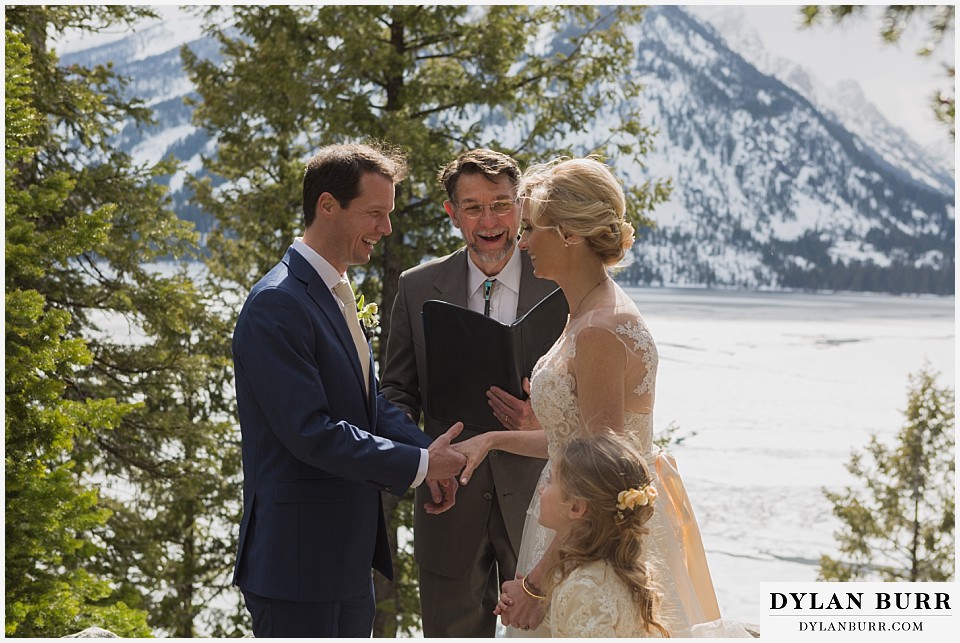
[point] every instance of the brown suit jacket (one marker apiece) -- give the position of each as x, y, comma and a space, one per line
446, 544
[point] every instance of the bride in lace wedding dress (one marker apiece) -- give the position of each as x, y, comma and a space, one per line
627, 359
600, 374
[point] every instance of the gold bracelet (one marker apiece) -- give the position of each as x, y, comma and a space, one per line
523, 584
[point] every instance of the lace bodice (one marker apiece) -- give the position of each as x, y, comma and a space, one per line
554, 380
554, 396
593, 602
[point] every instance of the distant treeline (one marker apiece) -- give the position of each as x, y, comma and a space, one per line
858, 276
826, 273
897, 279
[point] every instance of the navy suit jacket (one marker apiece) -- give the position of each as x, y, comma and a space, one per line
317, 449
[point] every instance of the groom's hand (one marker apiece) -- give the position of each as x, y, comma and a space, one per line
444, 461
444, 494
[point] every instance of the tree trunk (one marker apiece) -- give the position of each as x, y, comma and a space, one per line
188, 568
917, 497
392, 252
184, 619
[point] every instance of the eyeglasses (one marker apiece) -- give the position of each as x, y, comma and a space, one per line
475, 210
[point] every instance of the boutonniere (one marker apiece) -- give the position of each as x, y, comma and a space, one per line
369, 316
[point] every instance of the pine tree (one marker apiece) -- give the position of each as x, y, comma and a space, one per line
50, 508
898, 523
531, 81
87, 236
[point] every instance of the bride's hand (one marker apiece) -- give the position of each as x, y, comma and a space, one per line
476, 449
513, 413
523, 611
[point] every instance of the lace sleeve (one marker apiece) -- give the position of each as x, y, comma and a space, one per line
625, 360
579, 608
636, 334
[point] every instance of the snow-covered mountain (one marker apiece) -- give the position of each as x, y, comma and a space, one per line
844, 102
777, 181
770, 189
150, 60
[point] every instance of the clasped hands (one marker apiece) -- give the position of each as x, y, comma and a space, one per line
519, 607
514, 415
443, 464
447, 460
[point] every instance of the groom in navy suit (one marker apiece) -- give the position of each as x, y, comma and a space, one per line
319, 443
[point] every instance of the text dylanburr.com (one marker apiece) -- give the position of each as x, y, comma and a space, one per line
906, 611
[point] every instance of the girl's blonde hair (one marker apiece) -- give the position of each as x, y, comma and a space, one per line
596, 469
580, 197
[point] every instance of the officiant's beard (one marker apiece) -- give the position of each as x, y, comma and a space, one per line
492, 257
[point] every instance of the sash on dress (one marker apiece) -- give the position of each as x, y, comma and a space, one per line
703, 599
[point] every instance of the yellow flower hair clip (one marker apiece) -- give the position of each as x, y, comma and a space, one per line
633, 498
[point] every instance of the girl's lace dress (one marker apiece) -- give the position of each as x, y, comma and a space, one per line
578, 611
593, 602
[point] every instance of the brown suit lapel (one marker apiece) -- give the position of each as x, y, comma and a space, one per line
532, 290
451, 283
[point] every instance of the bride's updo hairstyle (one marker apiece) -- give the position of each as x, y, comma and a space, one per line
608, 473
580, 197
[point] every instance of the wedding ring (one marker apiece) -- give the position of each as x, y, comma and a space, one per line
525, 628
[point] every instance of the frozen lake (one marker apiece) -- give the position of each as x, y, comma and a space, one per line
778, 389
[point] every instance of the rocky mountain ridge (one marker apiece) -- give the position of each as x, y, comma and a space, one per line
778, 183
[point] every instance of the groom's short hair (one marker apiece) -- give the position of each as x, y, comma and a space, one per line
337, 169
483, 161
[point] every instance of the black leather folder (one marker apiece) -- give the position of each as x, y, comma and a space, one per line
467, 353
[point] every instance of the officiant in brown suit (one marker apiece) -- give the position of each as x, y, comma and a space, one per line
465, 554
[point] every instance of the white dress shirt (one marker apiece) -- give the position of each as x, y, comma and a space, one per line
505, 296
331, 278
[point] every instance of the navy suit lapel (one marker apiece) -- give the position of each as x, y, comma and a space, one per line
324, 299
372, 390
